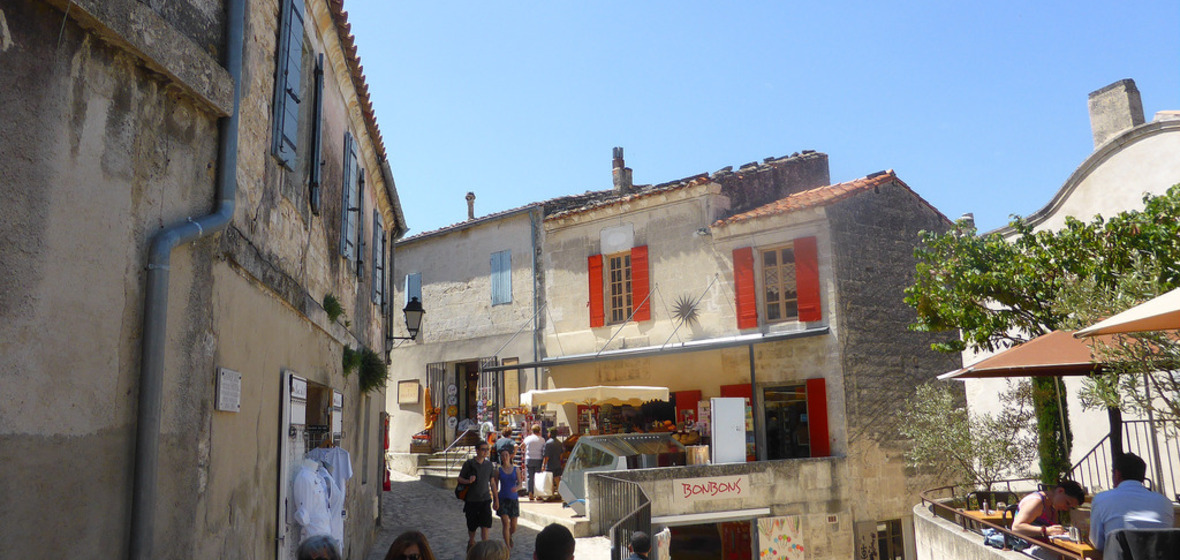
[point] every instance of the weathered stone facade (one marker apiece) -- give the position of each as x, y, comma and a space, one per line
112, 115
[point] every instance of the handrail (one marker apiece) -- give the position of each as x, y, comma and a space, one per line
948, 512
451, 446
607, 507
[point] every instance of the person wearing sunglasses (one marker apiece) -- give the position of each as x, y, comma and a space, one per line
477, 473
410, 545
319, 547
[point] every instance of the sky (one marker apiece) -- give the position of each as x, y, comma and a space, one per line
978, 106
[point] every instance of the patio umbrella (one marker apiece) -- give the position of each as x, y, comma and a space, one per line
1159, 314
600, 394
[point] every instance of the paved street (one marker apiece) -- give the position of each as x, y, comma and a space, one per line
435, 511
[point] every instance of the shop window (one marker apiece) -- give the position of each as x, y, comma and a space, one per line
796, 420
287, 96
788, 276
624, 286
501, 277
890, 541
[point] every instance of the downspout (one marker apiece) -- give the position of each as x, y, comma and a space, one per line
536, 310
155, 312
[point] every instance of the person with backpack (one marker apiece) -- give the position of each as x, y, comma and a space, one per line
476, 475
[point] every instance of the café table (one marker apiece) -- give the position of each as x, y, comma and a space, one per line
1080, 548
993, 516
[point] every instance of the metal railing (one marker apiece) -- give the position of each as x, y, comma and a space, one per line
943, 502
618, 510
454, 444
1155, 447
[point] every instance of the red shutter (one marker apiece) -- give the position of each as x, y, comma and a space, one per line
807, 279
640, 283
743, 281
817, 417
597, 315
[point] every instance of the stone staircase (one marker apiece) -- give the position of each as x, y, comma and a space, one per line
436, 470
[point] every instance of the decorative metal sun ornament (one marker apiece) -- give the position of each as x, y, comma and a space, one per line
685, 309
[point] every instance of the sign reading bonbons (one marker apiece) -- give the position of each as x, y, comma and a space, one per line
711, 488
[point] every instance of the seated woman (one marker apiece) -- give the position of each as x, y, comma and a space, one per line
1036, 516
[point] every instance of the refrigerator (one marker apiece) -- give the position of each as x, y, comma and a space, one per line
727, 428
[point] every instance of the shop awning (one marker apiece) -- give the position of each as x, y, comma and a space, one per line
600, 394
647, 351
1159, 314
1055, 354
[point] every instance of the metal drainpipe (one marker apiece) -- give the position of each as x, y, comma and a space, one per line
155, 313
536, 330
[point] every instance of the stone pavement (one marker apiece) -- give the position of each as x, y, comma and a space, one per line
412, 504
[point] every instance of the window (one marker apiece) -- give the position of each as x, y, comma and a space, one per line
890, 542
316, 172
501, 277
289, 62
623, 291
414, 286
378, 291
618, 287
350, 208
780, 294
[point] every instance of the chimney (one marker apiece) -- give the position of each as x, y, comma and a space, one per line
1114, 109
620, 173
968, 220
470, 206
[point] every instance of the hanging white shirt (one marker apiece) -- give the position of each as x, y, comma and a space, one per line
335, 506
310, 497
338, 462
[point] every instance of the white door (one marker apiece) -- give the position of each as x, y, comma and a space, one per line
728, 429
292, 423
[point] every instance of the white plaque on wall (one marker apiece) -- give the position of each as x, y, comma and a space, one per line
337, 413
298, 401
229, 391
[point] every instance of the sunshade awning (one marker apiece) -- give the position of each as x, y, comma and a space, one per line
1159, 314
601, 394
1056, 354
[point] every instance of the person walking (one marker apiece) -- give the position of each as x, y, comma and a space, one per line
506, 496
551, 461
534, 447
505, 443
477, 505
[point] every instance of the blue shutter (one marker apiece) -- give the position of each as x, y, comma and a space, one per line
501, 277
347, 223
414, 286
378, 291
316, 175
289, 66
358, 219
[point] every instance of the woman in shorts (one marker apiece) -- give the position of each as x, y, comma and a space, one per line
506, 495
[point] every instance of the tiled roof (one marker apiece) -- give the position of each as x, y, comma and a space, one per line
821, 196
611, 198
348, 45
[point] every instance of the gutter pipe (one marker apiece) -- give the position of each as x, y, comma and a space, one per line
534, 215
155, 313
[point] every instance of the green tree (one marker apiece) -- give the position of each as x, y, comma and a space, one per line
972, 449
1002, 291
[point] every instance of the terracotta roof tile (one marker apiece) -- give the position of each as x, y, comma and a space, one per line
348, 44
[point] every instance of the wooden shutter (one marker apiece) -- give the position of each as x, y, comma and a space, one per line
349, 199
316, 163
436, 381
597, 313
378, 279
358, 218
640, 283
289, 65
807, 279
414, 286
817, 417
745, 299
501, 277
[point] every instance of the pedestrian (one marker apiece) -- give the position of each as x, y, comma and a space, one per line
640, 546
534, 446
488, 550
554, 542
477, 505
319, 547
506, 496
505, 442
410, 545
551, 462
1129, 505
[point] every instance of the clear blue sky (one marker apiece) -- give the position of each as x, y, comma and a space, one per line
979, 106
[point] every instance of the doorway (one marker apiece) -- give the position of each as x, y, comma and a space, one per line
787, 430
731, 540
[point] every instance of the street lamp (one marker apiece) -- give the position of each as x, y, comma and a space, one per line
413, 312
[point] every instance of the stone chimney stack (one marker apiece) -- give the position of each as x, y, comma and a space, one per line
470, 206
620, 173
968, 220
1113, 109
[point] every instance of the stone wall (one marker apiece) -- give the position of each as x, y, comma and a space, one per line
939, 539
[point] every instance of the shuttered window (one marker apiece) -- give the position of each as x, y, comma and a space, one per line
640, 283
745, 299
597, 312
817, 417
315, 177
358, 217
378, 259
350, 207
788, 276
624, 288
413, 286
289, 63
501, 277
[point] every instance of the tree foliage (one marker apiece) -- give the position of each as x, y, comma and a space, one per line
973, 449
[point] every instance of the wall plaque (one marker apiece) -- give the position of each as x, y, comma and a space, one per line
407, 391
229, 391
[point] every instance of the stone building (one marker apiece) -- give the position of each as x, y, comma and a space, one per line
183, 184
766, 282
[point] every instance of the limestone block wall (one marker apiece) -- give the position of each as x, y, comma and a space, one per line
811, 488
937, 538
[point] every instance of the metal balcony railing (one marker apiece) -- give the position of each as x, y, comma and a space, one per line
1155, 447
620, 508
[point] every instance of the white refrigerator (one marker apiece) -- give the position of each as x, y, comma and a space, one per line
727, 427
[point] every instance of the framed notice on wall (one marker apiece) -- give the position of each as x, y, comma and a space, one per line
407, 391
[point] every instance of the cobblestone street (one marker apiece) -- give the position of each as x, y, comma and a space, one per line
417, 505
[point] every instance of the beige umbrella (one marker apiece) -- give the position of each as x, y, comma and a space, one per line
1159, 314
601, 394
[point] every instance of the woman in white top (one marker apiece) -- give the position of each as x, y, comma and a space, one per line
534, 447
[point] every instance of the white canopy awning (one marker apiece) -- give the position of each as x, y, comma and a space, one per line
1159, 314
601, 394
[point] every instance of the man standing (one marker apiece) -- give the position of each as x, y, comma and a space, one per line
640, 546
554, 542
1129, 505
551, 463
477, 505
534, 446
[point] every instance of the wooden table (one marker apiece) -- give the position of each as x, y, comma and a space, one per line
995, 516
1084, 549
